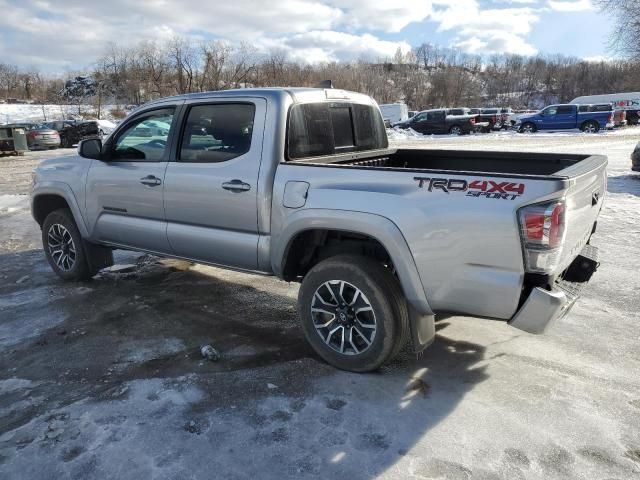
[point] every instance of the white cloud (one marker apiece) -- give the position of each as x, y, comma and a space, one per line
323, 46
386, 15
75, 32
492, 30
503, 42
570, 6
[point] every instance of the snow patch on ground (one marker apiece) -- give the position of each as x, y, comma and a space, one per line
13, 203
15, 113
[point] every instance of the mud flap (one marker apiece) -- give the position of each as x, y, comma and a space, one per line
423, 330
98, 257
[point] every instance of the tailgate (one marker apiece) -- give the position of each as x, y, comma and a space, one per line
583, 202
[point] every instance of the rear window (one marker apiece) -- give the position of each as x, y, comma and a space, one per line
490, 111
318, 129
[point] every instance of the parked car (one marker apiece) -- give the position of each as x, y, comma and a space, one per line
41, 136
506, 113
619, 118
394, 112
564, 117
301, 184
72, 132
437, 121
491, 116
105, 127
635, 159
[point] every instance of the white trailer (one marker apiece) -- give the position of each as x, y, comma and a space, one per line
394, 112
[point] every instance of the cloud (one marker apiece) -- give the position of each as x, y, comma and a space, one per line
570, 6
325, 46
74, 33
491, 30
503, 42
385, 15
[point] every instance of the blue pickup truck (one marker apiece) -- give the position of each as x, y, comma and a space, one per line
564, 117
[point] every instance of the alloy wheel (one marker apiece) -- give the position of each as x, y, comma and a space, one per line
343, 317
61, 247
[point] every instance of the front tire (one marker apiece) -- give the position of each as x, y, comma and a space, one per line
455, 130
353, 312
63, 246
528, 128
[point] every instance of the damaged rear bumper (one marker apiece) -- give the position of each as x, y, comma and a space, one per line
543, 307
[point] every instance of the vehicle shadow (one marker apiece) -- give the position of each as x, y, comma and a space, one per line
82, 344
624, 184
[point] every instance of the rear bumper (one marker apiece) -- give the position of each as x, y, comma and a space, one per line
543, 307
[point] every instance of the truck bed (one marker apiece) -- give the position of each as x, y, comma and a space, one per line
460, 161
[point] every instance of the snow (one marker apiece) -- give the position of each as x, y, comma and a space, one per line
14, 113
11, 203
109, 382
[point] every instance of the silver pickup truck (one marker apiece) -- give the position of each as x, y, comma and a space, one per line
300, 183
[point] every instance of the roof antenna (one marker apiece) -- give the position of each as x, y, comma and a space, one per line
325, 84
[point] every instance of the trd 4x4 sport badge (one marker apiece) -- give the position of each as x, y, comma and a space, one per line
474, 188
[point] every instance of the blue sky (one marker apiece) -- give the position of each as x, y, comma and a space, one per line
64, 35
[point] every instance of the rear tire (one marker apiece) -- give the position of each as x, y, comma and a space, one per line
361, 302
590, 127
63, 246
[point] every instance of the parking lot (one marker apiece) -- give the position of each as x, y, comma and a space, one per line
105, 379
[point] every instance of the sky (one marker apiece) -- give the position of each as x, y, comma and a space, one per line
63, 35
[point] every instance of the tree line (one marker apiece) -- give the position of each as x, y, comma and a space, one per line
429, 76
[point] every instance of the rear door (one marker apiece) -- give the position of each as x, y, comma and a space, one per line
125, 192
436, 122
211, 190
566, 117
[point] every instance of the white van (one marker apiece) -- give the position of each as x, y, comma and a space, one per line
629, 101
394, 112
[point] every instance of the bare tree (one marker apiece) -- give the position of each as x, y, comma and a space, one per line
626, 36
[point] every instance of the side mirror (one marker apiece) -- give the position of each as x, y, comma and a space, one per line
90, 148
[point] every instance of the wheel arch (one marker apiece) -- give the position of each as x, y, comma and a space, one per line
53, 196
377, 231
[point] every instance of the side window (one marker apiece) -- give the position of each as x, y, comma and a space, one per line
436, 116
145, 139
420, 117
565, 109
550, 111
217, 133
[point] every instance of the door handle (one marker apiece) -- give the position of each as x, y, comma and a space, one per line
150, 181
236, 186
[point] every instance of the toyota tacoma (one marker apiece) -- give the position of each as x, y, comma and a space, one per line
301, 183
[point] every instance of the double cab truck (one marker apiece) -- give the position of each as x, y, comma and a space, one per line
565, 117
451, 121
301, 183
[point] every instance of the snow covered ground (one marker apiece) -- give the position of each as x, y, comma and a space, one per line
14, 113
105, 379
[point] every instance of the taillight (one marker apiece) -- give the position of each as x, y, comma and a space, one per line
472, 121
624, 115
610, 117
494, 119
542, 229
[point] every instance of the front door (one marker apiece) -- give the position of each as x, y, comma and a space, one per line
125, 191
211, 190
419, 123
